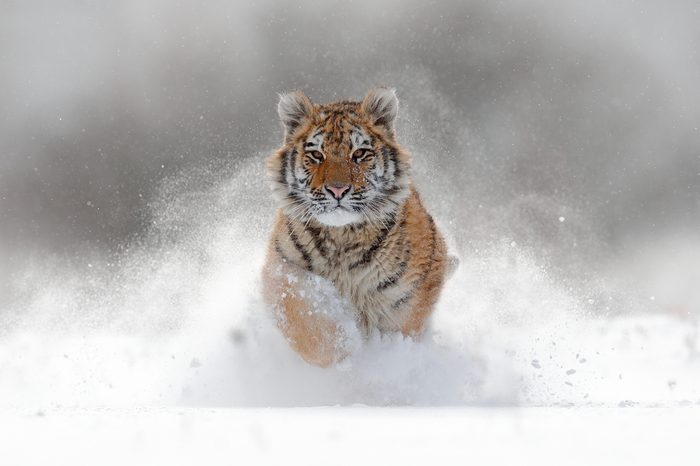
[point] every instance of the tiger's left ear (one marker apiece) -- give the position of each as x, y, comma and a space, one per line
382, 106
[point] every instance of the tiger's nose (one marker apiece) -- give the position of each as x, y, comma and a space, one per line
337, 190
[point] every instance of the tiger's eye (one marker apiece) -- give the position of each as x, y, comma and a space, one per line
362, 155
314, 156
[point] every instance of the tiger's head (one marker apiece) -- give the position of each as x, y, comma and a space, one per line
340, 163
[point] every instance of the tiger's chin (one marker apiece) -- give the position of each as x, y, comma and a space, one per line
339, 217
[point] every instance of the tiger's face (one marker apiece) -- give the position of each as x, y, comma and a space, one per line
340, 163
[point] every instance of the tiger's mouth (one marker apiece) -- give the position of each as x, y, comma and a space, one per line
341, 207
339, 215
327, 207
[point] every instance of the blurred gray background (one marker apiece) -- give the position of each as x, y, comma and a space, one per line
523, 117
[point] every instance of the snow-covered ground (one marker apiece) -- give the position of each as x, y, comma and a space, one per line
352, 435
646, 362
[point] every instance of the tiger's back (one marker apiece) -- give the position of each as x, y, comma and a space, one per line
350, 214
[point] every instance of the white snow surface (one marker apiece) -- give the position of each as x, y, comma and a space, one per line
353, 435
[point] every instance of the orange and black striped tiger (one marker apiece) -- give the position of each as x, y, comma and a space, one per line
351, 232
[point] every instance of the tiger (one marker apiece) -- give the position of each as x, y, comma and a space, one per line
350, 232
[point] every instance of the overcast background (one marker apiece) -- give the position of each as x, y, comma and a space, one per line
130, 131
591, 104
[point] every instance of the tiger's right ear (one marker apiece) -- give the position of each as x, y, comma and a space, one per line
293, 108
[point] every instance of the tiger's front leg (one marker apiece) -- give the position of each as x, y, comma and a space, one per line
308, 311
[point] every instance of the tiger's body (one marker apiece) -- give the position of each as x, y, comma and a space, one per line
350, 215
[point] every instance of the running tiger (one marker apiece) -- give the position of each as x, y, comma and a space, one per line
351, 236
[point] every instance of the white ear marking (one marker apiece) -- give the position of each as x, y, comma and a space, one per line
382, 105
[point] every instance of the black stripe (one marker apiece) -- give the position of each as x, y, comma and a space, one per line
403, 264
294, 196
392, 154
392, 190
298, 246
393, 279
431, 259
278, 249
283, 168
315, 234
292, 167
369, 253
397, 169
402, 300
386, 163
423, 276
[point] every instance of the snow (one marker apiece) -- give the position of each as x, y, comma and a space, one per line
352, 435
178, 321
